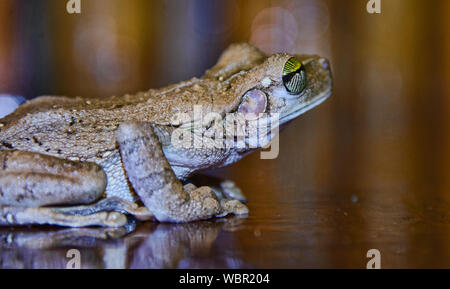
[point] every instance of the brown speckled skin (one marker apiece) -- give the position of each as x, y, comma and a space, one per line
83, 129
80, 129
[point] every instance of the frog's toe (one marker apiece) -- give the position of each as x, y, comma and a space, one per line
115, 219
189, 187
232, 191
11, 216
208, 205
204, 202
233, 207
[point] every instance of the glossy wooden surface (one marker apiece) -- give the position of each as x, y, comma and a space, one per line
290, 226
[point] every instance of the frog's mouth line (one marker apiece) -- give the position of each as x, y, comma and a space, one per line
296, 112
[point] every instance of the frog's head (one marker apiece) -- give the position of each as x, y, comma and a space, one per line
247, 85
284, 84
248, 82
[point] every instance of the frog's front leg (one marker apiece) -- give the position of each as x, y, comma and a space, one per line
156, 184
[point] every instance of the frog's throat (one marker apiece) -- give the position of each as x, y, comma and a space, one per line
302, 107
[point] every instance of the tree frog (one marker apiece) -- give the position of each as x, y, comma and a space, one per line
92, 162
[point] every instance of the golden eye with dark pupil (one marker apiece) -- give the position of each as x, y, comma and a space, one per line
294, 76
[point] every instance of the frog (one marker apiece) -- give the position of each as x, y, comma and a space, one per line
79, 162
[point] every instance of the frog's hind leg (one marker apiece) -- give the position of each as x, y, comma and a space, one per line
34, 180
156, 184
29, 181
18, 216
112, 204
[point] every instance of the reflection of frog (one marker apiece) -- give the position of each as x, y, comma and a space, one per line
64, 151
156, 246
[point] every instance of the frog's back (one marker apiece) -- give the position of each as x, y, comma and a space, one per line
84, 129
62, 127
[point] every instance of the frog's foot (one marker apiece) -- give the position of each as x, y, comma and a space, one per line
112, 204
12, 216
228, 204
224, 189
232, 191
156, 184
200, 204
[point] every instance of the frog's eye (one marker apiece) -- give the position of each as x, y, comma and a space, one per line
253, 103
294, 76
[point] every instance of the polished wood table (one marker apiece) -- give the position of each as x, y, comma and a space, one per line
309, 208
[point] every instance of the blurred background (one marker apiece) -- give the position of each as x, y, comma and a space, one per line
369, 168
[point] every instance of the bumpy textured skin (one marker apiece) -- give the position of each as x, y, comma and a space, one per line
72, 130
